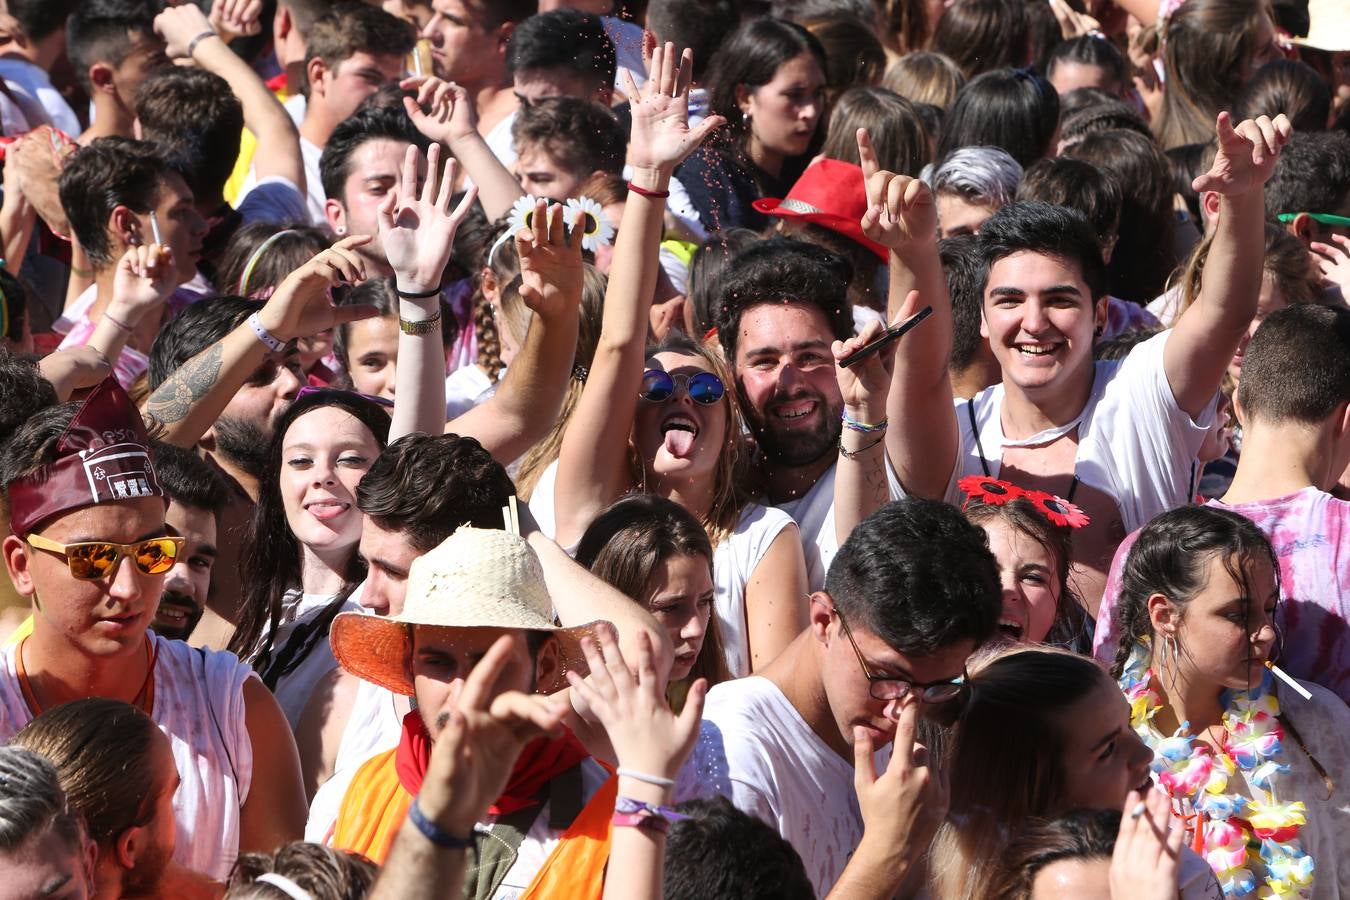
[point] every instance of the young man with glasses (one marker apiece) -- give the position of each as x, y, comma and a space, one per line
90, 547
909, 596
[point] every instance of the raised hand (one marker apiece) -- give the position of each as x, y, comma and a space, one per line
144, 279
551, 272
903, 807
235, 18
1247, 154
1333, 261
482, 731
418, 232
661, 136
900, 209
865, 385
303, 304
1145, 864
646, 735
178, 25
442, 110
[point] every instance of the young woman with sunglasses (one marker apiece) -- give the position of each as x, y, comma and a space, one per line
661, 419
1258, 770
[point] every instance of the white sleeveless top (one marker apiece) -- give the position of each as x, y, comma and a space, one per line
199, 705
734, 561
373, 727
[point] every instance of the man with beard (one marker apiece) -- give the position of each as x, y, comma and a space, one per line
781, 305
235, 444
197, 496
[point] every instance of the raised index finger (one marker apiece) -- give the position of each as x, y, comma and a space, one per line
906, 725
481, 685
866, 155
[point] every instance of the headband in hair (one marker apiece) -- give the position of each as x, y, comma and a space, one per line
257, 255
103, 456
993, 492
285, 885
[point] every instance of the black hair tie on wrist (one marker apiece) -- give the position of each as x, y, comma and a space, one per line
418, 295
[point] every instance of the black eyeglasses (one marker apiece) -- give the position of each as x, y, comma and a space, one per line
658, 386
888, 687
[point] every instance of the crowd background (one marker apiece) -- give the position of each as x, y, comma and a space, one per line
683, 448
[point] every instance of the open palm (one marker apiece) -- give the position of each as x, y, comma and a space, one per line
550, 269
418, 231
661, 136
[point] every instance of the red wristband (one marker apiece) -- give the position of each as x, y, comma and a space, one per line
644, 192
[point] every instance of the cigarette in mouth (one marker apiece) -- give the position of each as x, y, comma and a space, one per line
1288, 679
154, 228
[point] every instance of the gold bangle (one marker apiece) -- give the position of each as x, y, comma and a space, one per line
424, 326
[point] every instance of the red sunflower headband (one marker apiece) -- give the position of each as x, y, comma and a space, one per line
994, 492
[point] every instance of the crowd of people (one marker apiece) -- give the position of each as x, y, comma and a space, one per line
762, 449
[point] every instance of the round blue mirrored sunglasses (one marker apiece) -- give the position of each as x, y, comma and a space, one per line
658, 386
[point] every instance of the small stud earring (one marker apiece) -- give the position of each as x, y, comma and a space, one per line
341, 230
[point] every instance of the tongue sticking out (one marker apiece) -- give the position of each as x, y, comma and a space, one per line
679, 443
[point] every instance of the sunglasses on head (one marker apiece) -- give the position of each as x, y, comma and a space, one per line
658, 386
92, 560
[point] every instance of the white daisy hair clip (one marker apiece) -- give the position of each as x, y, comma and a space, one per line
596, 230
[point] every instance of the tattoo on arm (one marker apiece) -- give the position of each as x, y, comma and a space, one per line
172, 401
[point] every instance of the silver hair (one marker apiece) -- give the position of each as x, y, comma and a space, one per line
986, 174
31, 799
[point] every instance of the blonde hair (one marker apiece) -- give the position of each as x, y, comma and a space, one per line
928, 77
1285, 259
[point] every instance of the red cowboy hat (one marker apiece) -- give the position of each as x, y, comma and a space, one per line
829, 193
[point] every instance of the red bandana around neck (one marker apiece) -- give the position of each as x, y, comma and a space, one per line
540, 762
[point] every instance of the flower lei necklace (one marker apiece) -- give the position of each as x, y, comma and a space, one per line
1237, 836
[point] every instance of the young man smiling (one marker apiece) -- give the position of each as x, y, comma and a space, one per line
1115, 438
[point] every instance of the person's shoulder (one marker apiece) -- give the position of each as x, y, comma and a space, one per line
212, 666
753, 704
756, 517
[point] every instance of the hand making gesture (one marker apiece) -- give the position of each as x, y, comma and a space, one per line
236, 18
482, 731
418, 232
900, 209
1247, 154
303, 303
647, 736
1146, 861
442, 110
551, 272
661, 137
865, 385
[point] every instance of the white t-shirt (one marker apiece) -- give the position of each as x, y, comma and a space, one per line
1134, 442
465, 388
294, 688
814, 512
199, 705
734, 561
755, 749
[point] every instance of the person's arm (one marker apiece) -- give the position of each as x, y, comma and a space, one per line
18, 216
145, 278
485, 729
318, 733
74, 369
450, 119
651, 742
592, 464
418, 234
1207, 334
776, 609
274, 813
528, 401
901, 215
860, 483
901, 810
278, 153
188, 402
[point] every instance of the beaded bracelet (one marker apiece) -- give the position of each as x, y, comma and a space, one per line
854, 425
434, 833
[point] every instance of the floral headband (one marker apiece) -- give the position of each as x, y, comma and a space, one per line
596, 230
993, 492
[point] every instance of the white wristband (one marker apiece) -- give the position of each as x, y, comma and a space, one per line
656, 780
260, 331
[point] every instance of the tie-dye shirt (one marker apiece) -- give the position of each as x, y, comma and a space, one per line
1310, 531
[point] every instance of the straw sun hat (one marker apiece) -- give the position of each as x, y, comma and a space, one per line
476, 578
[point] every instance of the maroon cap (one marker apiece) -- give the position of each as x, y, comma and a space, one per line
103, 456
831, 194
